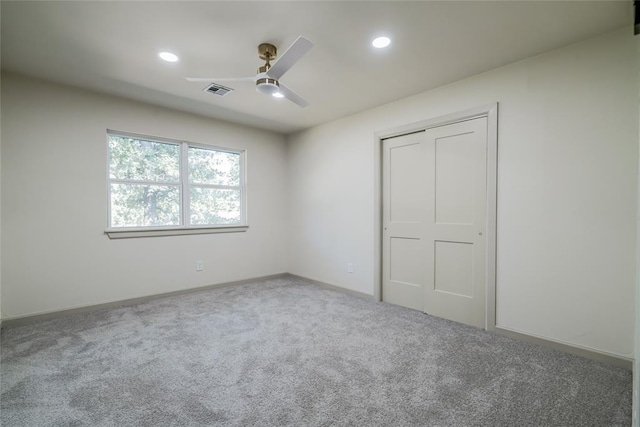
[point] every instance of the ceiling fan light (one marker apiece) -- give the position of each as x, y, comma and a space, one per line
278, 95
267, 86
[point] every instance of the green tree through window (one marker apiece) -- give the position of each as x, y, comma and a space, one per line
150, 185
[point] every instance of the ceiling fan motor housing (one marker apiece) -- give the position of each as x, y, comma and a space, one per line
267, 86
267, 52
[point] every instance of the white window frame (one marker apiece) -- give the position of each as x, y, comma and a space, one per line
184, 189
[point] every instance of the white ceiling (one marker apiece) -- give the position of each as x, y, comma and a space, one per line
111, 47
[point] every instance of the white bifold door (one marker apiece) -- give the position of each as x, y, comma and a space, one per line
434, 219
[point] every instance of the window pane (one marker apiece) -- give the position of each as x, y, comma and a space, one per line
211, 206
213, 167
137, 205
141, 160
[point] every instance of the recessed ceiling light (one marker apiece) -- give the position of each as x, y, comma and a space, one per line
168, 56
380, 42
277, 95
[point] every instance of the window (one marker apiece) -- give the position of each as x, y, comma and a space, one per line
158, 184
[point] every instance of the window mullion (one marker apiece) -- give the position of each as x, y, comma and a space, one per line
140, 182
216, 186
184, 178
243, 188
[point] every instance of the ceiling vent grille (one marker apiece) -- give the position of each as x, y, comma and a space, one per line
217, 89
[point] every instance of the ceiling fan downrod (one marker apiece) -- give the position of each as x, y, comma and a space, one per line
267, 52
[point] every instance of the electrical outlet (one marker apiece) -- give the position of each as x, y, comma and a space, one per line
199, 266
350, 267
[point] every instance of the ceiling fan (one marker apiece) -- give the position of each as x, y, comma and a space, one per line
267, 79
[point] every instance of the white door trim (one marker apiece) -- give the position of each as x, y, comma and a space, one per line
489, 111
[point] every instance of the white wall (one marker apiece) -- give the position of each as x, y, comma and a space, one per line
55, 254
567, 178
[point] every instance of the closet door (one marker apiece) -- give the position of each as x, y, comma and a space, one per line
434, 216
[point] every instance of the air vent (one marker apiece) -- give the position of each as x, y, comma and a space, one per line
217, 89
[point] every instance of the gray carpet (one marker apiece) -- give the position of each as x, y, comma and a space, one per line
285, 352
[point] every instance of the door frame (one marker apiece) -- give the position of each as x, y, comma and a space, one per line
489, 111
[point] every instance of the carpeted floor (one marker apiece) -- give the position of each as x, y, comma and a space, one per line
285, 352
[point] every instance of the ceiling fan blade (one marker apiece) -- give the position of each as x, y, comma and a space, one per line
296, 51
216, 80
292, 96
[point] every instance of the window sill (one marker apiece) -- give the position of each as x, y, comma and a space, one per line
158, 232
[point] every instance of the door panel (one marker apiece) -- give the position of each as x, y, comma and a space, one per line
454, 168
404, 207
405, 275
453, 266
434, 217
404, 161
456, 285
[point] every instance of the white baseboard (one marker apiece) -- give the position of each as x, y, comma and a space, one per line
332, 287
36, 317
608, 358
